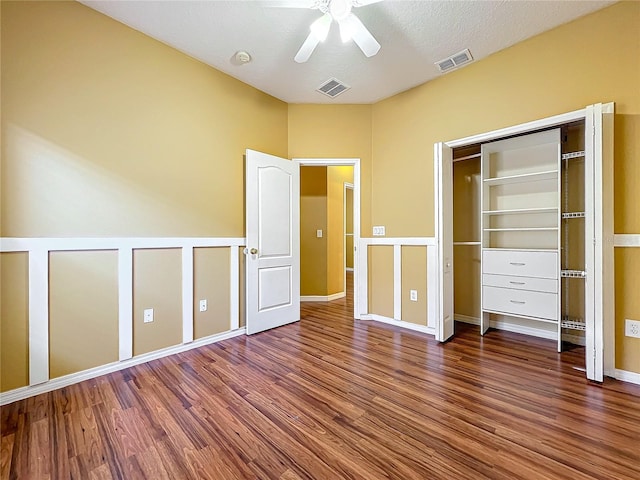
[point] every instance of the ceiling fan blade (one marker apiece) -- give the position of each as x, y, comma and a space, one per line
363, 37
307, 48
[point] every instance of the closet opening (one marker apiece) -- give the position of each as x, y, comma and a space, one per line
519, 234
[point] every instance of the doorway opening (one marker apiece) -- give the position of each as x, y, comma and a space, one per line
330, 231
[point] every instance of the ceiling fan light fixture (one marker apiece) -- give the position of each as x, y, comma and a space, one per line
320, 28
340, 9
346, 29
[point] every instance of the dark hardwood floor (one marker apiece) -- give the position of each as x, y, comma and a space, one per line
327, 398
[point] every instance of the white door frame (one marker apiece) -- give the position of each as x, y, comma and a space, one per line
355, 163
602, 339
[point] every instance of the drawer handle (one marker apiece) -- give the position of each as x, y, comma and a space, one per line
516, 283
518, 302
518, 264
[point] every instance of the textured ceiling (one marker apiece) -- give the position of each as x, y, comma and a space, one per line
413, 35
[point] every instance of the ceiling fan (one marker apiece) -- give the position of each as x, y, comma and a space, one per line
351, 28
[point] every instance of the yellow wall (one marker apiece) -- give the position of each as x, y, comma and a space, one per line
322, 208
157, 284
590, 60
627, 307
381, 280
336, 178
412, 279
349, 227
211, 283
313, 217
83, 304
107, 132
335, 131
14, 320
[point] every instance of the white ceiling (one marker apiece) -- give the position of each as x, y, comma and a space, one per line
413, 35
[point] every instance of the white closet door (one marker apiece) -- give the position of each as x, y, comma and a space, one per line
599, 263
443, 158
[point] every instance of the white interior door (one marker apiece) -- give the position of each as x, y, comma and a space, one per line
443, 156
273, 241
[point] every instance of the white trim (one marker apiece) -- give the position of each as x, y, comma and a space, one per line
574, 339
360, 301
399, 323
322, 298
518, 129
60, 382
15, 244
458, 317
432, 283
348, 269
626, 240
409, 241
234, 288
187, 294
601, 341
626, 376
38, 316
362, 252
125, 303
397, 282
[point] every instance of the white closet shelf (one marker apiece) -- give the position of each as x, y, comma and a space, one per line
573, 323
522, 178
523, 229
466, 243
570, 155
573, 273
573, 215
511, 314
517, 211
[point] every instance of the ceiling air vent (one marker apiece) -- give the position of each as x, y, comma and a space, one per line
332, 88
454, 61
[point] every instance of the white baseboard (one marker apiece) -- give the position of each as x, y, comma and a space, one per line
399, 323
458, 317
627, 376
60, 382
322, 298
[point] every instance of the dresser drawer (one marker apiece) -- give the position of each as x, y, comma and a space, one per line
520, 302
548, 285
520, 263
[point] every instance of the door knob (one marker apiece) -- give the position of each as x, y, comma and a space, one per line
253, 251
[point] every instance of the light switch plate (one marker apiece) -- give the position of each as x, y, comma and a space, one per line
413, 295
148, 315
203, 305
319, 233
379, 231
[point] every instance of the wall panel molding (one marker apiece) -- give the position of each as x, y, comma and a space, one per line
38, 251
626, 240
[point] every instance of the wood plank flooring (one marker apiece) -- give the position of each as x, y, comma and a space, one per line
327, 398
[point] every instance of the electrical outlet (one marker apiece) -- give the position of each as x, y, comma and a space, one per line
379, 231
413, 295
632, 328
318, 233
203, 305
148, 315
